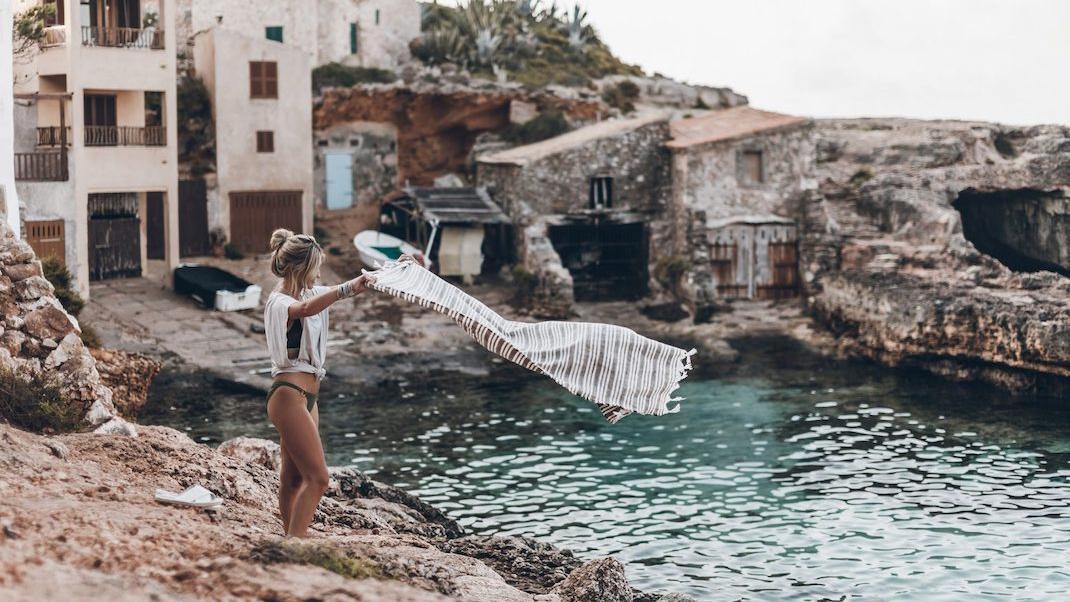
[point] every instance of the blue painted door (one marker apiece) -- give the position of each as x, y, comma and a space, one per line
339, 180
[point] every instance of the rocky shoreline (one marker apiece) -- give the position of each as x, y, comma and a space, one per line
79, 508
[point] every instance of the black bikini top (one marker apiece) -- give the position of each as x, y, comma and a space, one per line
293, 335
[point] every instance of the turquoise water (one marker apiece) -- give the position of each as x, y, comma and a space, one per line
792, 478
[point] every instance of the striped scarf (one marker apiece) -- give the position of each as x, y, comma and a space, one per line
620, 371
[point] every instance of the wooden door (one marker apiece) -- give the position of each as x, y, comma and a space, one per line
254, 215
155, 237
114, 247
47, 238
193, 218
339, 168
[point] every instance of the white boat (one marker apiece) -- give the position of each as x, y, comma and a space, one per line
377, 248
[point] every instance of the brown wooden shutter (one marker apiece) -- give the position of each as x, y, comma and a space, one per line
265, 141
255, 80
271, 80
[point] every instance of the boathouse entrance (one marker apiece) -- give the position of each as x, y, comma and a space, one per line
608, 261
114, 236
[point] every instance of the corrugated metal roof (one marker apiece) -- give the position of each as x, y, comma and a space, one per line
729, 124
457, 206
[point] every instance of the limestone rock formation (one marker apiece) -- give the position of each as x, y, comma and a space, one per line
39, 340
893, 269
438, 124
128, 375
79, 508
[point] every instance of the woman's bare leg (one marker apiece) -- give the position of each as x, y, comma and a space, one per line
299, 434
289, 484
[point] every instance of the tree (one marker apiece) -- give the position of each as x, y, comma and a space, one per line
28, 29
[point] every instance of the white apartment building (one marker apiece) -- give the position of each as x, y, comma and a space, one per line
96, 159
364, 33
9, 200
261, 94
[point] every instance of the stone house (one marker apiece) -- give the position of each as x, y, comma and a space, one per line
735, 174
600, 197
262, 108
95, 139
356, 164
364, 33
617, 203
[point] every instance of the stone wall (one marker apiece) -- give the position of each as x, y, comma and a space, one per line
38, 339
713, 180
558, 182
550, 294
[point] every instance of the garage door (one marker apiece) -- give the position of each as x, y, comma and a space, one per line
254, 215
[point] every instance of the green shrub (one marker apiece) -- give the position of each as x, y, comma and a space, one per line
860, 177
55, 272
533, 44
89, 336
230, 251
323, 555
37, 405
196, 130
670, 269
548, 124
622, 95
344, 76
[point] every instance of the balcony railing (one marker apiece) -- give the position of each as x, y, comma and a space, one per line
50, 135
122, 135
55, 35
41, 166
123, 37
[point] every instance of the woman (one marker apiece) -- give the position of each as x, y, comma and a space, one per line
296, 323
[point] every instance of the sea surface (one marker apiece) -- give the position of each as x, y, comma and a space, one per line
789, 477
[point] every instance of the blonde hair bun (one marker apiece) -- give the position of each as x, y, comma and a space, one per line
279, 238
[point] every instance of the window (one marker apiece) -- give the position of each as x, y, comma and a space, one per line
353, 42
263, 79
99, 109
273, 32
153, 109
56, 18
601, 192
265, 141
752, 168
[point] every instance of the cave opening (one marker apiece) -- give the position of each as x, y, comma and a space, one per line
1026, 229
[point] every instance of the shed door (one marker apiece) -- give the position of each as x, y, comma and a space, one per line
47, 239
192, 218
254, 215
339, 180
154, 225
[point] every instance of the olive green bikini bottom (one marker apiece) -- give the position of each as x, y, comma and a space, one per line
310, 398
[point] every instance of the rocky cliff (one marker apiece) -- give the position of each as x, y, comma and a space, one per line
78, 520
39, 341
908, 258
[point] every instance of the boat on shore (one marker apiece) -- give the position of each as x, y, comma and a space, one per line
377, 248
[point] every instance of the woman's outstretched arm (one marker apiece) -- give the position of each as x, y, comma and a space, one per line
313, 306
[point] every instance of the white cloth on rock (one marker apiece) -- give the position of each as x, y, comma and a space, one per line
619, 370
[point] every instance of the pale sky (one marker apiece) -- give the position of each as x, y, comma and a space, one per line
994, 60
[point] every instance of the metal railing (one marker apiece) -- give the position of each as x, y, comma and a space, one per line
123, 37
50, 135
41, 166
123, 135
55, 35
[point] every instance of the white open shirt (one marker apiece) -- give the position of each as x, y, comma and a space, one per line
312, 355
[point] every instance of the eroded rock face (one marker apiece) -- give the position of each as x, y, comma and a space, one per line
128, 375
101, 529
887, 264
601, 580
438, 124
39, 340
254, 451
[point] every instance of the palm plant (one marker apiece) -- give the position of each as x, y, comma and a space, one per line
578, 31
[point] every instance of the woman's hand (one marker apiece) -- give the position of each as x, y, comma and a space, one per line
355, 286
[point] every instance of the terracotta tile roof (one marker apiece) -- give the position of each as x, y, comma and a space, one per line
729, 124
